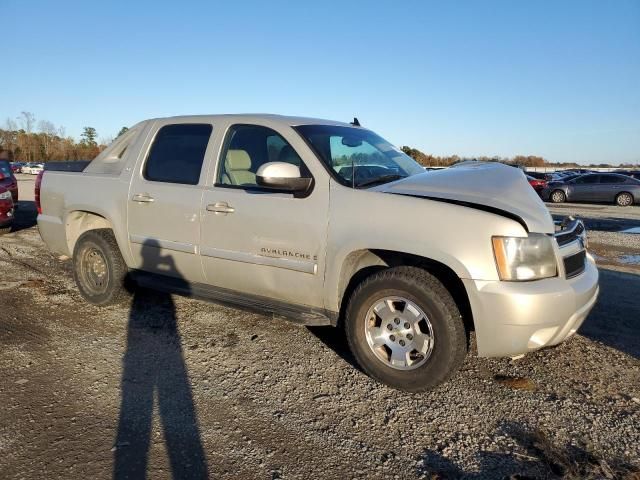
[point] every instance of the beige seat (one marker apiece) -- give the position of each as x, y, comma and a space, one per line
289, 155
237, 166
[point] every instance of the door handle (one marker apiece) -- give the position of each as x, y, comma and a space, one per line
142, 198
220, 207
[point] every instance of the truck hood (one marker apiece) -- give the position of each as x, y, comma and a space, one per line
493, 187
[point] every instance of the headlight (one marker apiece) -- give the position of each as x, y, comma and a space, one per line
525, 258
5, 195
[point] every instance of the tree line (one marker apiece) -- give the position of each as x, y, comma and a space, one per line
28, 140
429, 160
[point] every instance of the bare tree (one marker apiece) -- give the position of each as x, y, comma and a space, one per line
105, 140
27, 120
48, 130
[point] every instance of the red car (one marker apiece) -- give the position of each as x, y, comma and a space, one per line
6, 210
537, 184
8, 180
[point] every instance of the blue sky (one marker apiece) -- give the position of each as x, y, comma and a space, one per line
559, 79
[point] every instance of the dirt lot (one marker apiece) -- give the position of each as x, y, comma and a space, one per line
211, 391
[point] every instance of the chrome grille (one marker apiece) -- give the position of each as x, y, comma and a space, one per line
572, 239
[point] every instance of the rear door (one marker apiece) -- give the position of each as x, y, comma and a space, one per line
164, 201
610, 185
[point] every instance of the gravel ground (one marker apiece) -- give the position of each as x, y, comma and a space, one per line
211, 391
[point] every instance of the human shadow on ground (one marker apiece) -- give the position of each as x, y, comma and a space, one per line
154, 371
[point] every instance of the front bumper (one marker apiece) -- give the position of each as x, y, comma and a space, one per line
512, 318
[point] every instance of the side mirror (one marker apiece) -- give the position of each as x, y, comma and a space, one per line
282, 176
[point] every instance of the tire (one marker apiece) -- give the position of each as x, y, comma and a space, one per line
624, 199
4, 230
558, 196
417, 290
99, 269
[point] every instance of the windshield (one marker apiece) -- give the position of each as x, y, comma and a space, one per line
351, 150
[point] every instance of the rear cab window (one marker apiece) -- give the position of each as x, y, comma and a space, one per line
177, 153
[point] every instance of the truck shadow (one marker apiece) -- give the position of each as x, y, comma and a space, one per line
615, 319
336, 340
154, 371
542, 457
26, 215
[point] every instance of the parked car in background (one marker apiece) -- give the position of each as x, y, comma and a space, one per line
267, 217
594, 187
6, 210
8, 180
581, 171
537, 184
540, 175
630, 173
33, 168
16, 167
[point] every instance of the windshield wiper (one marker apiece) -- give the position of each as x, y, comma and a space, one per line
380, 179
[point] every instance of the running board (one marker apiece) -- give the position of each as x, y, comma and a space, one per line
301, 314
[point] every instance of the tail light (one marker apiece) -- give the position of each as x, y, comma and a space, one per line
37, 191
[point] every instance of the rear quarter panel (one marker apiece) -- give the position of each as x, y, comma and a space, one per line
64, 194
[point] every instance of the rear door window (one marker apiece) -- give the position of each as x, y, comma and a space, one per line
612, 179
177, 153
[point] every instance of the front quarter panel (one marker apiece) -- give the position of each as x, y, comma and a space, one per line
456, 236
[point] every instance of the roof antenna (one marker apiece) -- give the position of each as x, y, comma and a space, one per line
355, 122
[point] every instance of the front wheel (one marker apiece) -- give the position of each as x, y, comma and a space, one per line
624, 199
405, 330
558, 196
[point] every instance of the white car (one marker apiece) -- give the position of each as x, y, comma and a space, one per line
33, 168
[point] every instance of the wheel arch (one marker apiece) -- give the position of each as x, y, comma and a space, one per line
360, 264
79, 221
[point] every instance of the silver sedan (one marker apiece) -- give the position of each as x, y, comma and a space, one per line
595, 187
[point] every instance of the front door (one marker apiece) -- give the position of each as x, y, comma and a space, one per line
258, 241
164, 202
583, 188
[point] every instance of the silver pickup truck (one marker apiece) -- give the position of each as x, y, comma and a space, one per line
325, 223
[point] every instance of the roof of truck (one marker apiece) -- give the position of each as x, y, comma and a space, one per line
254, 117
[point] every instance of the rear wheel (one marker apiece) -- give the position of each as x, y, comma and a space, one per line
405, 330
4, 230
558, 196
624, 199
99, 269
